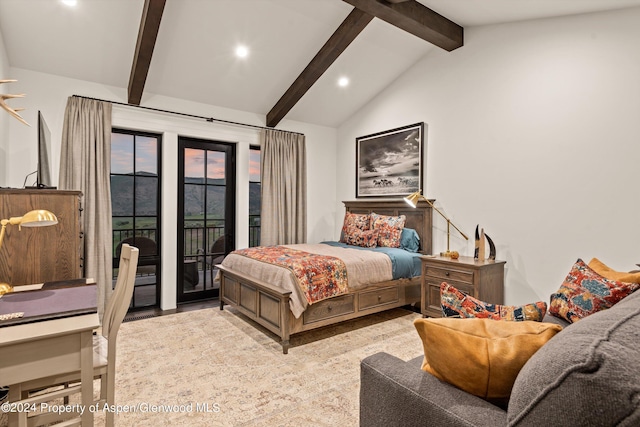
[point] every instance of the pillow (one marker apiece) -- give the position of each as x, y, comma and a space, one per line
390, 229
360, 221
388, 236
356, 237
409, 240
456, 303
480, 356
599, 267
392, 221
585, 292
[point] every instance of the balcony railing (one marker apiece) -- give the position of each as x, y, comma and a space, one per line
194, 237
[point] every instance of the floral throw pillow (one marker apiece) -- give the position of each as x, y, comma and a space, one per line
456, 303
388, 236
390, 229
353, 220
365, 238
585, 292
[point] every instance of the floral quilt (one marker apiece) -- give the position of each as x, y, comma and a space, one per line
318, 276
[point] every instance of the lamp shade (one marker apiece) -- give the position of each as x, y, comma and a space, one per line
412, 199
38, 218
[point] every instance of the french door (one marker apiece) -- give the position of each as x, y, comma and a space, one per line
206, 214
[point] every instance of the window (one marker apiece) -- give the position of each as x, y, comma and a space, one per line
254, 196
135, 205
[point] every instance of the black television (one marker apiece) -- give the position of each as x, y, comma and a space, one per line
44, 154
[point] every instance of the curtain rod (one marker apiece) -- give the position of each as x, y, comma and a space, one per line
193, 116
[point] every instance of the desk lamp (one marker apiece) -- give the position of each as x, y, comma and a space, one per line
35, 218
412, 200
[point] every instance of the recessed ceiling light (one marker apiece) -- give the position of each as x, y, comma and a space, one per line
343, 81
242, 51
70, 3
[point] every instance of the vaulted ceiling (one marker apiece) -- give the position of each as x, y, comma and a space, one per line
298, 49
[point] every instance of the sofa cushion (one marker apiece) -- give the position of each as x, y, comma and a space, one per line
587, 374
456, 303
605, 271
481, 356
585, 292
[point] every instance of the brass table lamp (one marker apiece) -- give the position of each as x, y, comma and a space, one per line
35, 218
412, 200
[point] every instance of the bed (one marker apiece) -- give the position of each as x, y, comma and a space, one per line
265, 299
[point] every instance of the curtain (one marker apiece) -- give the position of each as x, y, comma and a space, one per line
85, 163
283, 167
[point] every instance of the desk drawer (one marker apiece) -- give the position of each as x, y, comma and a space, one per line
448, 274
378, 297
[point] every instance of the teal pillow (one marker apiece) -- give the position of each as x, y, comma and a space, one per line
409, 240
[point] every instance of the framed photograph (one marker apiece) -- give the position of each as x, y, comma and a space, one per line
389, 163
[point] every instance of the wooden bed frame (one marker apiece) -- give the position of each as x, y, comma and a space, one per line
268, 305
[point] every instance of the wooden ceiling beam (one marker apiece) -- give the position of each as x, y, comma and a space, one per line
415, 18
147, 35
353, 25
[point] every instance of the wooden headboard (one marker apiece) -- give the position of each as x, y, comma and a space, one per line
420, 218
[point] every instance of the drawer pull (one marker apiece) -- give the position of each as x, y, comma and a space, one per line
446, 274
379, 297
329, 308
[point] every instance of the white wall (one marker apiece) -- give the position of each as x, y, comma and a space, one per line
4, 117
533, 133
49, 94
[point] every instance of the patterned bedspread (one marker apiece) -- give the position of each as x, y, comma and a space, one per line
318, 276
363, 268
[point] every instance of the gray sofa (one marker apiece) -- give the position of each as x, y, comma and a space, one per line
587, 375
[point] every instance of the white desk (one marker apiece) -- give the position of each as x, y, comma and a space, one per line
43, 348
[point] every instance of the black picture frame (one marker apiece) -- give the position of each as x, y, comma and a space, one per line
389, 163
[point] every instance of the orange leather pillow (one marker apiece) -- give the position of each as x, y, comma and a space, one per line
480, 356
608, 273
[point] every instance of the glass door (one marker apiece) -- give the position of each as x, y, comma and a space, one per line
206, 212
135, 207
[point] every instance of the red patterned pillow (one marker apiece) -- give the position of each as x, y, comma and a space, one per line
585, 292
359, 221
389, 236
456, 303
390, 229
356, 237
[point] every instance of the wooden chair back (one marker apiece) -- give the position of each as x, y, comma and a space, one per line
121, 298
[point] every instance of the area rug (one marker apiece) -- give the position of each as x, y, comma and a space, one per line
216, 368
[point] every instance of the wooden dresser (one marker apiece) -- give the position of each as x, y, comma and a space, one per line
41, 254
481, 279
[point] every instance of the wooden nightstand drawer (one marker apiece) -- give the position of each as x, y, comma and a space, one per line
378, 297
447, 274
433, 290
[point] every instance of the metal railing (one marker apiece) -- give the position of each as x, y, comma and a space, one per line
194, 237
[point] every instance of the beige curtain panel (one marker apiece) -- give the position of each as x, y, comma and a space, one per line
85, 165
283, 164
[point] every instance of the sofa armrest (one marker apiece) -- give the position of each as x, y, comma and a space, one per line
398, 393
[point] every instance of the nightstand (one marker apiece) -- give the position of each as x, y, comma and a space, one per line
482, 279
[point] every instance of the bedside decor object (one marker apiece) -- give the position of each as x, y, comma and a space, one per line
480, 245
12, 111
412, 200
34, 218
389, 163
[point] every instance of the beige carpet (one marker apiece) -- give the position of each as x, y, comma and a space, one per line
218, 360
